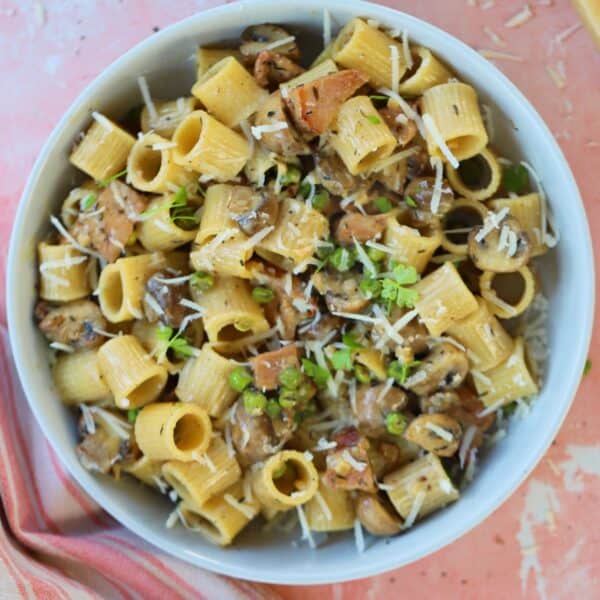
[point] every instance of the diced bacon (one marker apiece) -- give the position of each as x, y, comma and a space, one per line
362, 228
268, 365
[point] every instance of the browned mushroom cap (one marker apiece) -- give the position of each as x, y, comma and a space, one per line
403, 128
375, 516
374, 403
360, 227
333, 175
444, 368
439, 402
437, 433
505, 249
163, 302
415, 336
285, 142
256, 38
418, 164
342, 293
273, 68
420, 190
253, 210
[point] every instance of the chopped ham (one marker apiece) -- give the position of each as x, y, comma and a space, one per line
268, 365
110, 228
361, 227
315, 105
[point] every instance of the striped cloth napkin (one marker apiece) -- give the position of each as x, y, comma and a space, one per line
56, 542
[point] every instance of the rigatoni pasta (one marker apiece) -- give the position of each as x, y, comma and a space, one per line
296, 292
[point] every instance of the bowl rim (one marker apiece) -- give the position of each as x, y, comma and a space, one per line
355, 569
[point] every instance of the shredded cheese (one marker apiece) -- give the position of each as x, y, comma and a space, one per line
465, 444
61, 229
395, 59
406, 108
326, 27
439, 140
355, 464
414, 510
495, 55
439, 431
359, 538
306, 533
492, 221
102, 121
496, 39
363, 257
490, 409
568, 32
520, 18
258, 130
248, 511
279, 43
387, 326
437, 186
324, 506
245, 127
145, 91
408, 59
323, 445
384, 163
558, 80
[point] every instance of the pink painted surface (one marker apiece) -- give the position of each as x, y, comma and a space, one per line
545, 541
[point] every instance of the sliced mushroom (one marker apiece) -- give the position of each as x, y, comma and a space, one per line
75, 324
418, 164
415, 337
341, 291
437, 433
253, 210
321, 328
420, 190
444, 368
162, 302
315, 105
360, 227
285, 142
274, 68
253, 436
439, 402
333, 175
375, 516
467, 411
403, 128
374, 403
504, 249
256, 38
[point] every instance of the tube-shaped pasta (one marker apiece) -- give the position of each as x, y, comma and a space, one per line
197, 481
204, 381
359, 46
454, 112
144, 469
70, 208
411, 246
159, 231
168, 116
508, 294
330, 510
103, 150
485, 339
287, 479
464, 214
423, 483
147, 335
527, 210
230, 312
121, 286
507, 382
296, 234
208, 147
258, 164
229, 92
173, 431
222, 517
373, 360
443, 299
132, 376
327, 67
361, 138
64, 272
77, 378
207, 57
151, 167
477, 178
429, 71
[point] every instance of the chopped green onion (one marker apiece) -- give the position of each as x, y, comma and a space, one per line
320, 200
239, 379
373, 119
587, 367
254, 402
290, 378
362, 374
370, 288
132, 414
383, 204
263, 295
410, 202
202, 280
87, 202
375, 254
515, 178
342, 359
273, 409
377, 97
318, 374
106, 182
291, 176
342, 260
395, 423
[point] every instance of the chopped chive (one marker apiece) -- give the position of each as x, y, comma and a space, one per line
263, 295
109, 180
376, 97
132, 414
373, 119
587, 367
410, 202
87, 202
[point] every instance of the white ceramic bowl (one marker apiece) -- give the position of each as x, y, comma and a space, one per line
166, 60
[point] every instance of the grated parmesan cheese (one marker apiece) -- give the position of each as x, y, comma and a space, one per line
323, 444
568, 32
384, 163
492, 221
324, 506
495, 55
408, 59
145, 91
465, 444
520, 18
279, 43
359, 538
414, 510
395, 59
557, 78
437, 186
496, 39
326, 27
248, 511
355, 464
258, 130
306, 533
245, 127
439, 431
102, 121
439, 140
490, 409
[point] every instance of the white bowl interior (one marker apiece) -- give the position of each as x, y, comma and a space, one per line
167, 61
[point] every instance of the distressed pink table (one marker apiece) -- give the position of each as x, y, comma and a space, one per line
545, 541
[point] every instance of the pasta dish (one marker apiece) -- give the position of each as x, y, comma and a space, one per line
301, 294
